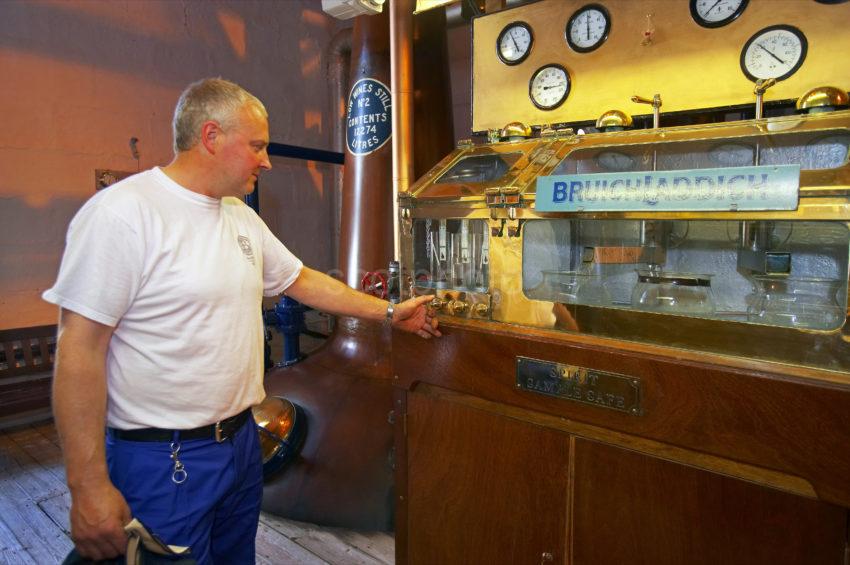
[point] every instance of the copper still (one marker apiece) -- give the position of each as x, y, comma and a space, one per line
344, 475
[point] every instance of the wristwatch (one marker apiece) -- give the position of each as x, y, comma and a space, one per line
390, 309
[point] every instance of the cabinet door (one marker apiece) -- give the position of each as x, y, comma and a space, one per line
636, 509
483, 488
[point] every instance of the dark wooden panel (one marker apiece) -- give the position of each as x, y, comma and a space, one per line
761, 419
25, 395
482, 489
631, 508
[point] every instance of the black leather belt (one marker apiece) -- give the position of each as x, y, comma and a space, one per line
219, 431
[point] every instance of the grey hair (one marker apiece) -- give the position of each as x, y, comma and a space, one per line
208, 99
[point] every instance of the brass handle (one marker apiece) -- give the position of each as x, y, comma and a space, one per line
458, 306
655, 102
481, 309
437, 303
763, 84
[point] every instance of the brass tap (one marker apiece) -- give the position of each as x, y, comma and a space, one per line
437, 303
458, 306
656, 107
481, 309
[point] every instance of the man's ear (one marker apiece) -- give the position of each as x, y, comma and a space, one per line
210, 132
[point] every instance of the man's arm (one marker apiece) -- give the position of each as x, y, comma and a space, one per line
98, 511
330, 295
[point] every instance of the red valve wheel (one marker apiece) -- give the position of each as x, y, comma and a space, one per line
374, 283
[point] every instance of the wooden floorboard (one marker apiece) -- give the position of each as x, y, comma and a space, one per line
34, 530
34, 504
15, 557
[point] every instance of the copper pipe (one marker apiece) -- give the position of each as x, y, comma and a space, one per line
401, 72
339, 61
365, 232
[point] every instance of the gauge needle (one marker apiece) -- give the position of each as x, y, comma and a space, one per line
770, 53
713, 7
587, 21
511, 33
553, 86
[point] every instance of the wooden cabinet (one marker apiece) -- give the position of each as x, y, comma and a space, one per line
482, 488
631, 508
746, 473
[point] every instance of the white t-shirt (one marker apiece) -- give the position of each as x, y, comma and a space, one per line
180, 276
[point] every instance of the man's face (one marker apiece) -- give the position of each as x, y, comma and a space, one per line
243, 152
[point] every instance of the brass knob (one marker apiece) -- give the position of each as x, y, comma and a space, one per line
458, 306
437, 303
481, 309
614, 120
515, 130
823, 99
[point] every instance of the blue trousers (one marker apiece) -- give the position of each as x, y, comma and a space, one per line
215, 511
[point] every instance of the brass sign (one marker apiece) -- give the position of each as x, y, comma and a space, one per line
579, 384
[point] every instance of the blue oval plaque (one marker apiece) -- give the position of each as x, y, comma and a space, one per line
369, 116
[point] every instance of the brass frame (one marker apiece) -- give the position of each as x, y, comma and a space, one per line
824, 196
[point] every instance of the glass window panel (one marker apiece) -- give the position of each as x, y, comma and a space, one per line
782, 273
479, 168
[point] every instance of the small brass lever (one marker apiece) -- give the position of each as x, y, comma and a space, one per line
656, 105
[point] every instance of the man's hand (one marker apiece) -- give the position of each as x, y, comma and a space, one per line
412, 316
98, 516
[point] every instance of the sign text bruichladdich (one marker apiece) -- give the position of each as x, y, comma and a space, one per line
726, 189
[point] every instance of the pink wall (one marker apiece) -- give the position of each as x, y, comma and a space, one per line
80, 78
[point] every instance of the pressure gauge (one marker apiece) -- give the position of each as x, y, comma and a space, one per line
514, 43
716, 13
774, 52
549, 86
588, 28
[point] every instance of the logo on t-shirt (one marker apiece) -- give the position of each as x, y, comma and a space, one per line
245, 245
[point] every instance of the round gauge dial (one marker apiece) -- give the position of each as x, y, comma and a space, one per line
549, 86
588, 28
716, 13
774, 52
514, 43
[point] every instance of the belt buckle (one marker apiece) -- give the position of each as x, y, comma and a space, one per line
219, 436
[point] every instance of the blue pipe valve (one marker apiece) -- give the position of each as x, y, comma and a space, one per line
288, 318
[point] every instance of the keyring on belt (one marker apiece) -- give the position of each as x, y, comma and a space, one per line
179, 475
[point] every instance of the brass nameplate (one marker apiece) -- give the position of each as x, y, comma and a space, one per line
579, 384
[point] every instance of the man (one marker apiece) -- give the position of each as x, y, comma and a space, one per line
161, 336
